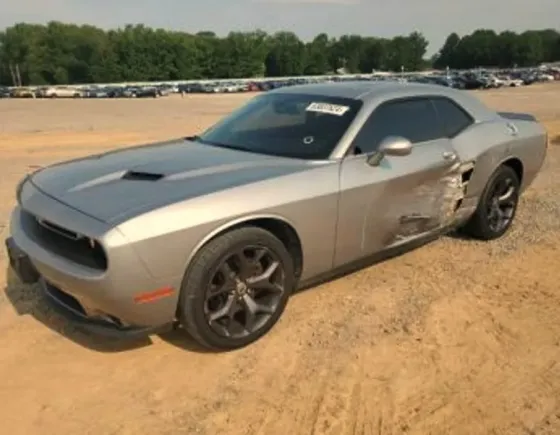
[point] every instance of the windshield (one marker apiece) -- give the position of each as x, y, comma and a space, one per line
287, 125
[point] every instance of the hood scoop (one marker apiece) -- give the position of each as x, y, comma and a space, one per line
142, 176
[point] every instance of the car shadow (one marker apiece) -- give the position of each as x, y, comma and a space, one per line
458, 235
180, 338
29, 300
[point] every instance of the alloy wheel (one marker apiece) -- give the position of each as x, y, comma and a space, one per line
501, 204
244, 291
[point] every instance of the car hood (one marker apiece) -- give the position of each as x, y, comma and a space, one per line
123, 183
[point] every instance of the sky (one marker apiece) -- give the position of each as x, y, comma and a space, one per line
307, 18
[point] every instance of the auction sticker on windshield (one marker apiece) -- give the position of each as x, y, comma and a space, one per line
331, 109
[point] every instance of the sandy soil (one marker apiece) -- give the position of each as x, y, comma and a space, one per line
458, 337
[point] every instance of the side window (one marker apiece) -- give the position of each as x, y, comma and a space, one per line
454, 118
414, 119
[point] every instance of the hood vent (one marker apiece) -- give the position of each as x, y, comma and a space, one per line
142, 176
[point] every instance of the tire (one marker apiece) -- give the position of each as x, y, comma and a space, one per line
210, 264
479, 225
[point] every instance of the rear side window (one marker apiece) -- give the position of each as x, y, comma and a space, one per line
414, 119
453, 117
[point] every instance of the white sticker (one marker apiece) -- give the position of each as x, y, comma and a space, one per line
331, 109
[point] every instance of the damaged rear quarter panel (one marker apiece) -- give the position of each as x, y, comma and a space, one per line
484, 146
488, 145
452, 192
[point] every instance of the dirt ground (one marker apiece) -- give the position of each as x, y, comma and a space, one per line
457, 337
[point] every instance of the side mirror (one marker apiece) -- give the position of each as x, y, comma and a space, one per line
395, 146
391, 146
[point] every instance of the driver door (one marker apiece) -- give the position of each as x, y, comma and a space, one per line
399, 198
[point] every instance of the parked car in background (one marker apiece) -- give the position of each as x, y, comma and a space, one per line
145, 92
62, 92
97, 92
23, 92
479, 78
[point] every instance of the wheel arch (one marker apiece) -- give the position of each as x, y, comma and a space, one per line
477, 225
517, 165
484, 168
279, 226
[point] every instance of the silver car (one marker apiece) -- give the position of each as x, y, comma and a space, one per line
212, 233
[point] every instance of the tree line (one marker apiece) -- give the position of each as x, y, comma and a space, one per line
506, 49
60, 53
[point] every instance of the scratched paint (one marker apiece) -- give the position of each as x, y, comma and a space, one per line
453, 191
435, 207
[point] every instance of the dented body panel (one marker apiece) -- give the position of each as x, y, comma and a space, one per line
382, 206
489, 144
152, 208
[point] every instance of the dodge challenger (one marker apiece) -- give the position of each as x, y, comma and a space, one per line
212, 233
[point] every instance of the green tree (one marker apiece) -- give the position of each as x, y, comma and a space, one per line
317, 55
416, 49
242, 55
530, 49
485, 48
57, 53
445, 56
286, 56
347, 52
374, 54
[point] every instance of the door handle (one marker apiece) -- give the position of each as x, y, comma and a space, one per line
449, 155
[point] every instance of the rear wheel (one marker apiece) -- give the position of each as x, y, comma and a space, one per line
236, 288
497, 207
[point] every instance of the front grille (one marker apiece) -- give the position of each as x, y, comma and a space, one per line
66, 243
58, 229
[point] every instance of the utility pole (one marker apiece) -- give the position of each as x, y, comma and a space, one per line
13, 74
18, 75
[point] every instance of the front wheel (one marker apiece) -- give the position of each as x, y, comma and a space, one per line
236, 288
497, 207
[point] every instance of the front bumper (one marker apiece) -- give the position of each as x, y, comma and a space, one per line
21, 263
112, 289
69, 307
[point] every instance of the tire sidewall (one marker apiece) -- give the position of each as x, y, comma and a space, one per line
192, 298
500, 173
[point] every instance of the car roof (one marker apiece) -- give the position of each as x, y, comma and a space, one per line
371, 92
361, 90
